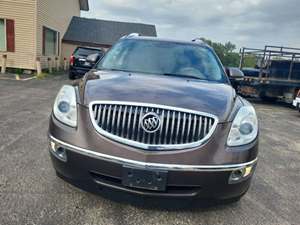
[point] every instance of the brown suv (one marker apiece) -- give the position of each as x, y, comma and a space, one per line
155, 117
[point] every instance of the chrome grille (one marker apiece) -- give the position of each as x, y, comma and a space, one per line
179, 128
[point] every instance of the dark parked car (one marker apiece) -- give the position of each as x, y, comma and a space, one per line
82, 60
155, 117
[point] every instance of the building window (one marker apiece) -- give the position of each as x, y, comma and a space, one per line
2, 35
7, 35
50, 42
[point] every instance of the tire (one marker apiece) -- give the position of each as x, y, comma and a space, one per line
267, 98
234, 200
72, 76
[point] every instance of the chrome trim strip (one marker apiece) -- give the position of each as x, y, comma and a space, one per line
194, 126
123, 122
167, 127
113, 119
148, 165
183, 127
128, 122
200, 127
148, 146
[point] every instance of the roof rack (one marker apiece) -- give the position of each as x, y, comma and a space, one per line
131, 35
198, 40
201, 42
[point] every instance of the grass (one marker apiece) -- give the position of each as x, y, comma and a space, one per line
45, 74
42, 75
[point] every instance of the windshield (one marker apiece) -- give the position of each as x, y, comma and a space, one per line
86, 51
165, 58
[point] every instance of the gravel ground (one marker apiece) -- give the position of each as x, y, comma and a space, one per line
31, 193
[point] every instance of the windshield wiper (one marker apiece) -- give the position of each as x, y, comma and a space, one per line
112, 69
183, 75
165, 74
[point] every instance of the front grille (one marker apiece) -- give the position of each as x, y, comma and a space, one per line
179, 128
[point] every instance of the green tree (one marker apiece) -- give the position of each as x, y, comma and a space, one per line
225, 52
249, 61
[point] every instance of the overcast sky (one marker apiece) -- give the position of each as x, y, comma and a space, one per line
250, 23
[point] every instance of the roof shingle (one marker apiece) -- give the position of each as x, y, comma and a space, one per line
103, 32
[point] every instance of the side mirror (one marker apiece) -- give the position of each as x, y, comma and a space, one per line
93, 58
234, 72
91, 75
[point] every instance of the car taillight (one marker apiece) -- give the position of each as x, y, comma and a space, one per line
72, 58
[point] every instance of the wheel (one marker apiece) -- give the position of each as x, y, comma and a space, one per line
234, 200
267, 98
72, 76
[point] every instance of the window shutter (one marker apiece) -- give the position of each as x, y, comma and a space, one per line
58, 43
10, 35
44, 40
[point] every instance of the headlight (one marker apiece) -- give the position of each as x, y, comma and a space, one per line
64, 108
244, 127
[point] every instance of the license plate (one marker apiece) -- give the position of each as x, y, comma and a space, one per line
87, 64
144, 179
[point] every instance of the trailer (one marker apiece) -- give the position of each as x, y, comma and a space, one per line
276, 74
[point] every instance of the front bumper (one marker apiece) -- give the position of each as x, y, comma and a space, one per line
92, 170
296, 103
79, 71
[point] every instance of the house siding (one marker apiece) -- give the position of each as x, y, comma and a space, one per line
56, 15
67, 50
24, 28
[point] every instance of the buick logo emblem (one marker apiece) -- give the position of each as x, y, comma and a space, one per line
150, 122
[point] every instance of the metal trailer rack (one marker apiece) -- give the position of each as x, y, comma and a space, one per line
276, 75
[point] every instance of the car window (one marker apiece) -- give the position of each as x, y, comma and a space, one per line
161, 57
86, 51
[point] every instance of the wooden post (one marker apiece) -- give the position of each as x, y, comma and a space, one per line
50, 65
65, 64
3, 67
57, 64
38, 66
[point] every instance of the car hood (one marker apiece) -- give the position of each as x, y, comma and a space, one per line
210, 97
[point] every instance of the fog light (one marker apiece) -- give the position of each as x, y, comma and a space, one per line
236, 175
248, 171
58, 151
61, 153
52, 146
240, 174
